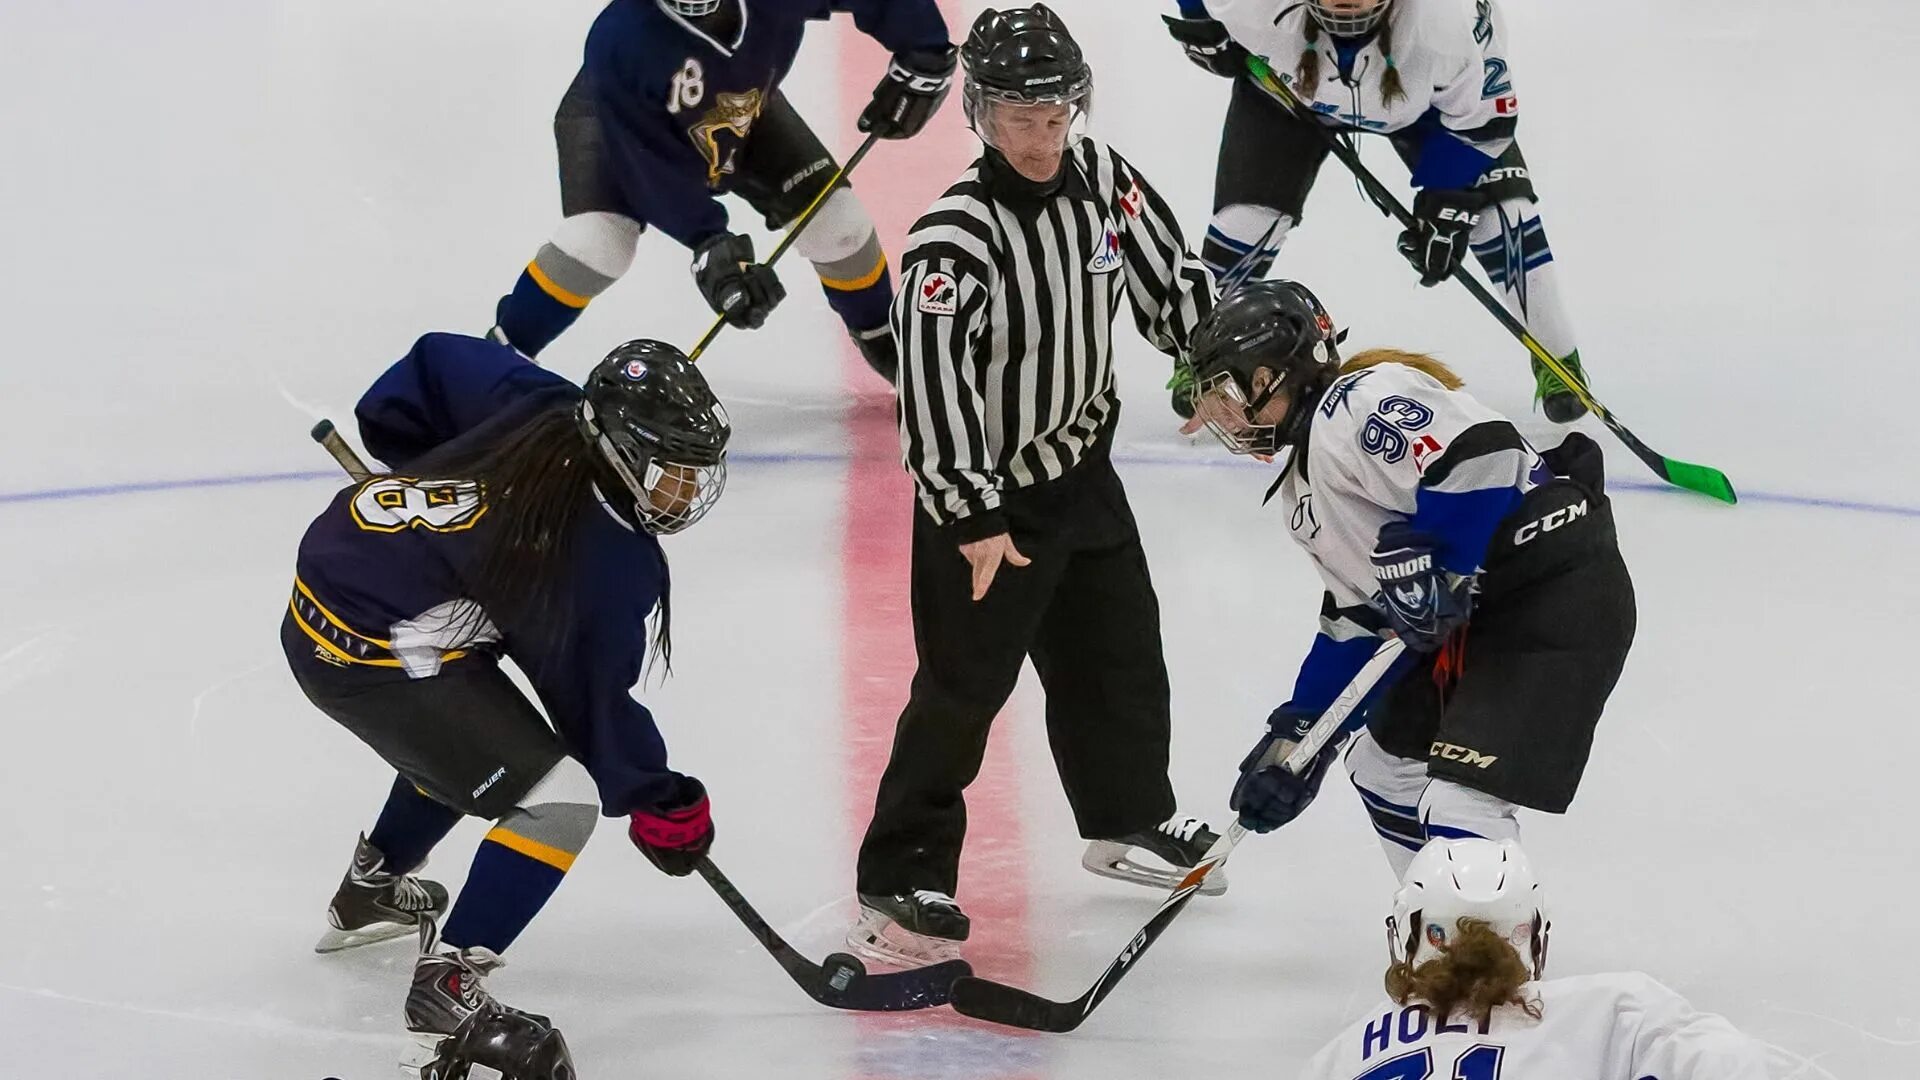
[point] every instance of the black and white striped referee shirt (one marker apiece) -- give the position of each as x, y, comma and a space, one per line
1005, 318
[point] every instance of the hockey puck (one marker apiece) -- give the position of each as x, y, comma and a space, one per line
840, 971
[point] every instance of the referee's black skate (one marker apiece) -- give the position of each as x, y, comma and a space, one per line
448, 986
912, 929
1180, 842
375, 905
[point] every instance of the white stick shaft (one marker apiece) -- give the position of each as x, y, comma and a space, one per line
1343, 706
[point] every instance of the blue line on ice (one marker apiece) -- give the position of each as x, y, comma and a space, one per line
194, 483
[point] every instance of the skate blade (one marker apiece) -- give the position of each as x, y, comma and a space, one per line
889, 944
1112, 860
420, 1051
334, 941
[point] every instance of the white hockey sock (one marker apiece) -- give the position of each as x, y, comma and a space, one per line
1390, 788
1241, 243
1511, 245
1451, 811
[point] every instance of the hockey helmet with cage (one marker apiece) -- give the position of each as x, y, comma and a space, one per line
1024, 57
1471, 878
660, 433
692, 9
1353, 18
495, 1041
1279, 326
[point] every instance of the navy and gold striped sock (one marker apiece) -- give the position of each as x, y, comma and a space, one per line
519, 864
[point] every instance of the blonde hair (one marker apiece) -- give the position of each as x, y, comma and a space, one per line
1308, 73
1476, 973
1418, 361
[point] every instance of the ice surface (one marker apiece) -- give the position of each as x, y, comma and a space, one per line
223, 217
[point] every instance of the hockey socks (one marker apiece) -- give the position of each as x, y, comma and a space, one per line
587, 254
859, 289
410, 825
519, 864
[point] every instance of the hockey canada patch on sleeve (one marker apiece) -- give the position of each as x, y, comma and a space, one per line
939, 294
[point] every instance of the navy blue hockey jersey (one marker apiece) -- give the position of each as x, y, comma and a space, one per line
380, 574
677, 106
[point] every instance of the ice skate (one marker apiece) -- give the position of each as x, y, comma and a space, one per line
1180, 842
374, 905
880, 351
448, 987
915, 930
1557, 400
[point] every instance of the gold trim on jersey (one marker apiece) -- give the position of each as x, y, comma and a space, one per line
341, 641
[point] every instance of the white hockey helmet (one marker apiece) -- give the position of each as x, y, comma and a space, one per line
1472, 878
1348, 18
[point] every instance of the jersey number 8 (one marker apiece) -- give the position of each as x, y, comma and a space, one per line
393, 504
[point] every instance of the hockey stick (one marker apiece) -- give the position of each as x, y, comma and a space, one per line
328, 436
998, 1003
842, 982
799, 225
1704, 479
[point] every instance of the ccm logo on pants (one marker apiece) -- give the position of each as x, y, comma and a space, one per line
1566, 515
1464, 755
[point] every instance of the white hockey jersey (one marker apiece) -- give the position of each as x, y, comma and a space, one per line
1450, 54
1390, 443
1620, 1026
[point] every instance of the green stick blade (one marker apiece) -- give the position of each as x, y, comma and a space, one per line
1704, 479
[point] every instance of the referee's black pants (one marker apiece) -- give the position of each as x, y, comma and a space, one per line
1085, 612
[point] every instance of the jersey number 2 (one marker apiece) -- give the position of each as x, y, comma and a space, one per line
1480, 1063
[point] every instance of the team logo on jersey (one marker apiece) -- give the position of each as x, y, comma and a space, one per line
1425, 449
939, 294
1106, 257
1133, 201
720, 134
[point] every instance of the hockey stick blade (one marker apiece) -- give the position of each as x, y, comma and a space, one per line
1702, 479
842, 981
1010, 1006
998, 1003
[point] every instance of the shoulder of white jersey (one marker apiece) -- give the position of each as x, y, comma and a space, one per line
1264, 26
1352, 396
1448, 29
1606, 989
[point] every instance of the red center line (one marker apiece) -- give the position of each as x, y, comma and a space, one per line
897, 183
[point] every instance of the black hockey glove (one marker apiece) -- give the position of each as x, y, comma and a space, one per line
735, 286
916, 83
673, 838
1425, 602
1438, 239
1208, 45
1267, 796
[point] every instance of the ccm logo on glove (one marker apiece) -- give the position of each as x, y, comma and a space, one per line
1566, 515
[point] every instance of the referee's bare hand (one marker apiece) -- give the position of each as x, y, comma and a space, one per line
985, 556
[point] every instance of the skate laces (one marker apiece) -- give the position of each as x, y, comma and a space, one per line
931, 898
1183, 829
410, 895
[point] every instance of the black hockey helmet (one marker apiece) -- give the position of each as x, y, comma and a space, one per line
1025, 56
661, 432
501, 1042
1276, 325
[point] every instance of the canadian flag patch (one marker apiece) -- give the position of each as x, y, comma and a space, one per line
939, 294
1133, 201
1507, 106
1425, 449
